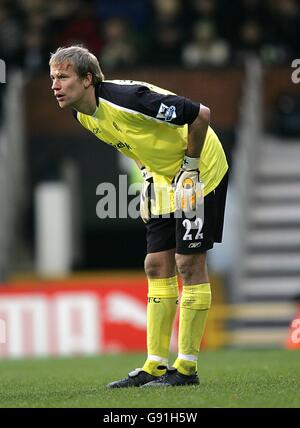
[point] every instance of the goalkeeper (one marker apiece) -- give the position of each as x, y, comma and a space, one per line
169, 137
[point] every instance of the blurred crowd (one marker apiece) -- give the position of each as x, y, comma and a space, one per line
126, 33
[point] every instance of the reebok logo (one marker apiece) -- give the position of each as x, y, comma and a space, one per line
166, 113
194, 245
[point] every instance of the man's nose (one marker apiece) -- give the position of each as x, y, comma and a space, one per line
55, 85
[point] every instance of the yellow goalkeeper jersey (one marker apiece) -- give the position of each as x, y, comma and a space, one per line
150, 124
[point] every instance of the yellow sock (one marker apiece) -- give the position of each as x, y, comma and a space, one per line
194, 306
161, 310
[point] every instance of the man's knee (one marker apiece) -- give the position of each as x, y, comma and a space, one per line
191, 267
152, 267
159, 266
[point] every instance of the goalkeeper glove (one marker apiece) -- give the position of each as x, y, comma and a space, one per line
188, 188
145, 197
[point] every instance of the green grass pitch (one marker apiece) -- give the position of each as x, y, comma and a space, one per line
229, 378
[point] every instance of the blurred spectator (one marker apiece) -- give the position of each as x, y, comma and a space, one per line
228, 20
206, 9
167, 10
203, 10
250, 36
166, 46
61, 12
32, 5
167, 33
251, 28
283, 30
120, 49
10, 36
206, 49
36, 54
153, 31
84, 28
284, 116
134, 11
36, 39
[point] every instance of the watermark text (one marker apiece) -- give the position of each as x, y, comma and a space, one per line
125, 202
295, 335
2, 71
296, 73
2, 331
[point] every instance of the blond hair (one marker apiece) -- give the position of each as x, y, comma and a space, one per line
82, 60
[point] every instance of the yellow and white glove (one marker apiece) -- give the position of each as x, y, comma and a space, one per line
145, 196
188, 188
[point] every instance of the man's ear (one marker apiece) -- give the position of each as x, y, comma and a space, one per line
88, 80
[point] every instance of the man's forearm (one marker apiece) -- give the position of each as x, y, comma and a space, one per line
197, 133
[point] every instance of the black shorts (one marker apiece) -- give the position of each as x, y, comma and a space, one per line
167, 233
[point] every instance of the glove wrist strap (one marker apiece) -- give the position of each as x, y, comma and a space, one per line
190, 163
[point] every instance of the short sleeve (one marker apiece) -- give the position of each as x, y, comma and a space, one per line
165, 107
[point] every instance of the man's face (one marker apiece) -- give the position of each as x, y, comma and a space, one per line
68, 88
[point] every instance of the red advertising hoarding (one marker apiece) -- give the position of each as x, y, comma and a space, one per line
88, 316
